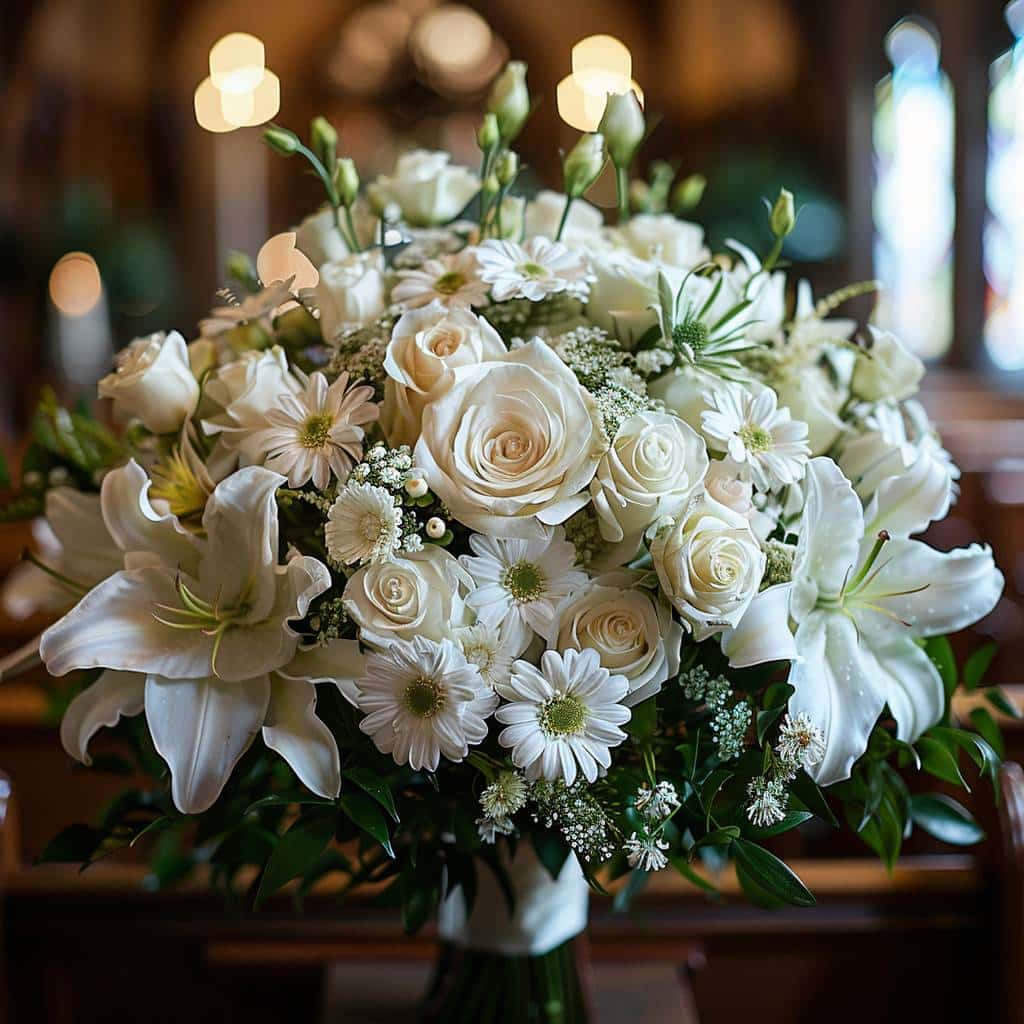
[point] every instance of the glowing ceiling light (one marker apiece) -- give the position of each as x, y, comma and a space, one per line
237, 108
253, 108
237, 63
278, 259
75, 284
452, 39
208, 108
601, 64
583, 109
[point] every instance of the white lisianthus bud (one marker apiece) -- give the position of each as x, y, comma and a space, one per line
282, 141
886, 370
506, 168
688, 193
323, 140
346, 180
488, 136
783, 216
153, 382
509, 100
623, 127
583, 164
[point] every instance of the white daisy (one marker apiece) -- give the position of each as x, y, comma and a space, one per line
519, 582
363, 525
801, 742
565, 718
488, 648
533, 270
646, 852
757, 435
452, 281
318, 431
423, 699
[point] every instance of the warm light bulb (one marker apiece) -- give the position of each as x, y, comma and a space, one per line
237, 107
237, 63
577, 108
266, 101
602, 64
75, 284
278, 259
208, 108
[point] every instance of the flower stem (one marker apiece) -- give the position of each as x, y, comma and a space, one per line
565, 217
622, 189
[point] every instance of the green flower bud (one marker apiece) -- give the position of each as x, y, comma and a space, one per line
639, 196
323, 140
783, 215
623, 127
240, 267
688, 194
346, 181
506, 168
583, 164
282, 141
509, 100
488, 136
490, 186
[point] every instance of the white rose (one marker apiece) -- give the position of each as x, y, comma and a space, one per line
685, 391
418, 594
664, 239
653, 466
886, 370
725, 483
634, 635
426, 347
710, 566
427, 188
153, 382
320, 241
544, 213
350, 293
512, 444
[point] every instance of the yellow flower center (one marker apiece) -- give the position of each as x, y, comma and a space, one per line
316, 431
449, 283
563, 716
424, 698
524, 581
755, 439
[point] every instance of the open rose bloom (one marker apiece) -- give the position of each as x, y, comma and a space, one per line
524, 527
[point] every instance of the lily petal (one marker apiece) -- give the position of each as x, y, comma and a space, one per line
906, 503
201, 727
932, 592
88, 552
838, 685
763, 634
112, 695
338, 661
914, 690
303, 740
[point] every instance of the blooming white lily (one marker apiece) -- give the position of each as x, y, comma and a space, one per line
858, 604
195, 632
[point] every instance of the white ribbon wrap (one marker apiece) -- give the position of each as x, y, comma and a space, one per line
548, 911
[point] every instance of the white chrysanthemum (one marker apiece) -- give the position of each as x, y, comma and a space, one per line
363, 525
488, 648
757, 434
801, 742
423, 699
565, 717
646, 852
452, 281
520, 582
318, 431
533, 270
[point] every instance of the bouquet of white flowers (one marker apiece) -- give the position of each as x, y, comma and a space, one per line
519, 541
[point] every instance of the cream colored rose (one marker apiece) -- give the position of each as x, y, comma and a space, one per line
512, 444
653, 466
544, 213
427, 346
664, 239
350, 293
428, 189
418, 594
710, 566
153, 382
725, 483
634, 635
886, 370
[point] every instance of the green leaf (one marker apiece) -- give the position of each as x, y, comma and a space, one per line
418, 886
300, 797
295, 853
989, 729
793, 819
777, 695
367, 815
939, 760
373, 784
761, 874
999, 699
644, 719
976, 748
552, 851
75, 844
944, 818
683, 866
766, 719
718, 837
939, 649
977, 665
811, 795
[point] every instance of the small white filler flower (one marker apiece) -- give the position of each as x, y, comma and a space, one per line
565, 717
646, 852
801, 742
757, 435
363, 525
451, 280
536, 269
423, 699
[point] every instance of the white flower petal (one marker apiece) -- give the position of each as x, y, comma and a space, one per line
338, 661
201, 727
763, 634
906, 503
102, 704
914, 690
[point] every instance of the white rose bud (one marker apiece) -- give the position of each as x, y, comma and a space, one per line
623, 127
634, 635
653, 466
709, 565
350, 293
427, 188
153, 382
886, 370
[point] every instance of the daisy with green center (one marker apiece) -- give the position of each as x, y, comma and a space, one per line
317, 432
533, 270
363, 525
520, 582
757, 435
423, 700
564, 718
453, 281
